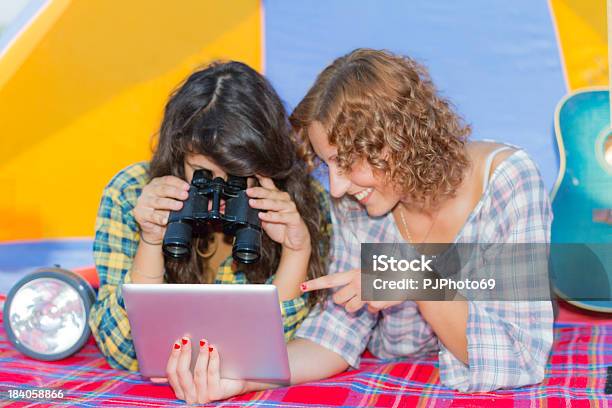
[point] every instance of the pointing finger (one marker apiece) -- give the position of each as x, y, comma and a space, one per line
329, 281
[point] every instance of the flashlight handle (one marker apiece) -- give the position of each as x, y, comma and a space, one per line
90, 274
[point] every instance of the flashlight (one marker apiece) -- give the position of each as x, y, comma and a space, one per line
46, 313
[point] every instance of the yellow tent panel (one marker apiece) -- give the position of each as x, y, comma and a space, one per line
82, 91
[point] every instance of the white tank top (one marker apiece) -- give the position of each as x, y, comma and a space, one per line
488, 163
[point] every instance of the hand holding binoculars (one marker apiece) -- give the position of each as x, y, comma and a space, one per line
196, 219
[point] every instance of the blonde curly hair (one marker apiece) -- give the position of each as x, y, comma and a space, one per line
384, 109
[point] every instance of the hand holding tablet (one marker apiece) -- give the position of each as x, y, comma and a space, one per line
241, 323
206, 383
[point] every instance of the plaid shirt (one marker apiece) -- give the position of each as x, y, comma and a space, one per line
508, 341
115, 245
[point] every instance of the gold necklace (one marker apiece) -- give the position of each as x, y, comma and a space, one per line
405, 225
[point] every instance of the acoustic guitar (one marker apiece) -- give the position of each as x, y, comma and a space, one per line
581, 250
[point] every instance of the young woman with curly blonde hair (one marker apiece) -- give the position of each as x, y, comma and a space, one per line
401, 169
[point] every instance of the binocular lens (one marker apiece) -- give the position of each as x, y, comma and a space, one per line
177, 240
247, 245
246, 256
176, 251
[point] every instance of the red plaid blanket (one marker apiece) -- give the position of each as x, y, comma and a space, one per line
576, 376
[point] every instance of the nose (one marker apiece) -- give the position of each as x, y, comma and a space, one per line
338, 183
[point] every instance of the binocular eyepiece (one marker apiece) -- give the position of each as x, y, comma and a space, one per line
194, 219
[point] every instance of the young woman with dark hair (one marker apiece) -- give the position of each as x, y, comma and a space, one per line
228, 120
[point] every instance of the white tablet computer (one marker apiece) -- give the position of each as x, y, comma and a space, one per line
243, 322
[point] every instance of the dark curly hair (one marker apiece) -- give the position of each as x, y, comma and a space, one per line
384, 108
231, 114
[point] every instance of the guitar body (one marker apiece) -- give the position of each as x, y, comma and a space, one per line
581, 254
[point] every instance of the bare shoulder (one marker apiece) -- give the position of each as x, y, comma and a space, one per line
500, 157
479, 151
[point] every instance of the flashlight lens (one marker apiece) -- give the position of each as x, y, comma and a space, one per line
47, 316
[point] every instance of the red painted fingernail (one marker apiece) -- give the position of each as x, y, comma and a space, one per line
177, 346
202, 343
210, 349
185, 341
303, 287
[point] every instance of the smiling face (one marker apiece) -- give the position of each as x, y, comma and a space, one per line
362, 183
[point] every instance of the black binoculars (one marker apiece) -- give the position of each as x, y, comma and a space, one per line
194, 219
